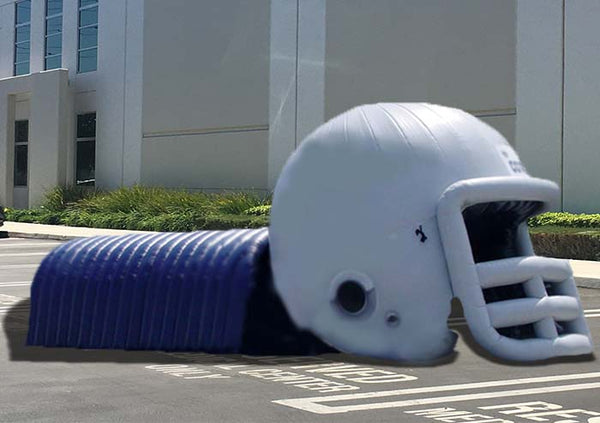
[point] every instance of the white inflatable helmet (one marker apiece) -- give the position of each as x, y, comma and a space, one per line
388, 211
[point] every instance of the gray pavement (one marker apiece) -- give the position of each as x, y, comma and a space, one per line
69, 385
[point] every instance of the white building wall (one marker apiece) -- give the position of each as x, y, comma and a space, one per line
43, 98
50, 129
7, 37
328, 56
118, 120
558, 96
582, 106
205, 94
539, 126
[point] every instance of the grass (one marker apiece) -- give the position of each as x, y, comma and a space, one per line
146, 208
563, 235
564, 230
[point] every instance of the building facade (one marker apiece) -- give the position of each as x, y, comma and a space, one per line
216, 95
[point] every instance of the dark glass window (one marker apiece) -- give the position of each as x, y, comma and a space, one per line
23, 12
21, 68
21, 131
86, 125
86, 163
54, 7
86, 150
53, 44
22, 35
52, 62
54, 25
87, 51
88, 16
88, 37
85, 3
21, 140
22, 52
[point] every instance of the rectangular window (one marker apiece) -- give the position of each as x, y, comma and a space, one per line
53, 40
87, 51
22, 34
21, 141
86, 150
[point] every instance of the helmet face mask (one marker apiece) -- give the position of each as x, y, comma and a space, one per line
518, 306
388, 211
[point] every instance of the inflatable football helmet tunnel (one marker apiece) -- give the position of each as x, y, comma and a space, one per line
381, 217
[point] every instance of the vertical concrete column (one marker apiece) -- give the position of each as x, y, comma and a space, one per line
134, 78
282, 85
539, 94
48, 132
7, 135
582, 107
38, 31
69, 36
7, 39
311, 67
119, 121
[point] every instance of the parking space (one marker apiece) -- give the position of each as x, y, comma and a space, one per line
69, 385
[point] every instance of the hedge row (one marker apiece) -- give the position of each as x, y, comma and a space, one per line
566, 219
147, 208
170, 222
568, 246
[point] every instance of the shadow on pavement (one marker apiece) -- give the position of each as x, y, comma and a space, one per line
16, 325
467, 337
17, 319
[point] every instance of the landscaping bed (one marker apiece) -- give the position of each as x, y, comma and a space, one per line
563, 235
150, 209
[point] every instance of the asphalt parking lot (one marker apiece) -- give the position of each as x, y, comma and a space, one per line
68, 385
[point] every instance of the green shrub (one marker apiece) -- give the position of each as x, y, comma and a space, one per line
150, 209
566, 219
569, 246
60, 198
233, 203
258, 211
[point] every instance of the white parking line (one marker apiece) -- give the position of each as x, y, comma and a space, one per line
316, 404
14, 309
11, 284
303, 404
31, 244
19, 266
22, 254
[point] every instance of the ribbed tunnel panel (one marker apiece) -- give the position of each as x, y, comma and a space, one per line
158, 291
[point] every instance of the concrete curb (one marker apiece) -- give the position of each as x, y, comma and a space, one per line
7, 234
587, 283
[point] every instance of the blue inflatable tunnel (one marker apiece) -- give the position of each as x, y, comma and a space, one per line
201, 291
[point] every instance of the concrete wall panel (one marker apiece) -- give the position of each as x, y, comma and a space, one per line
7, 38
503, 124
540, 86
206, 161
206, 65
582, 106
459, 54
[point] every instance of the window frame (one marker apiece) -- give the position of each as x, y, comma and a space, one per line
93, 5
18, 43
21, 144
57, 35
78, 140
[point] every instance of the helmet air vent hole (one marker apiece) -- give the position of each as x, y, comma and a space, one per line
392, 318
351, 297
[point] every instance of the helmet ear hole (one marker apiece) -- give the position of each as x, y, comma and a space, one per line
351, 296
